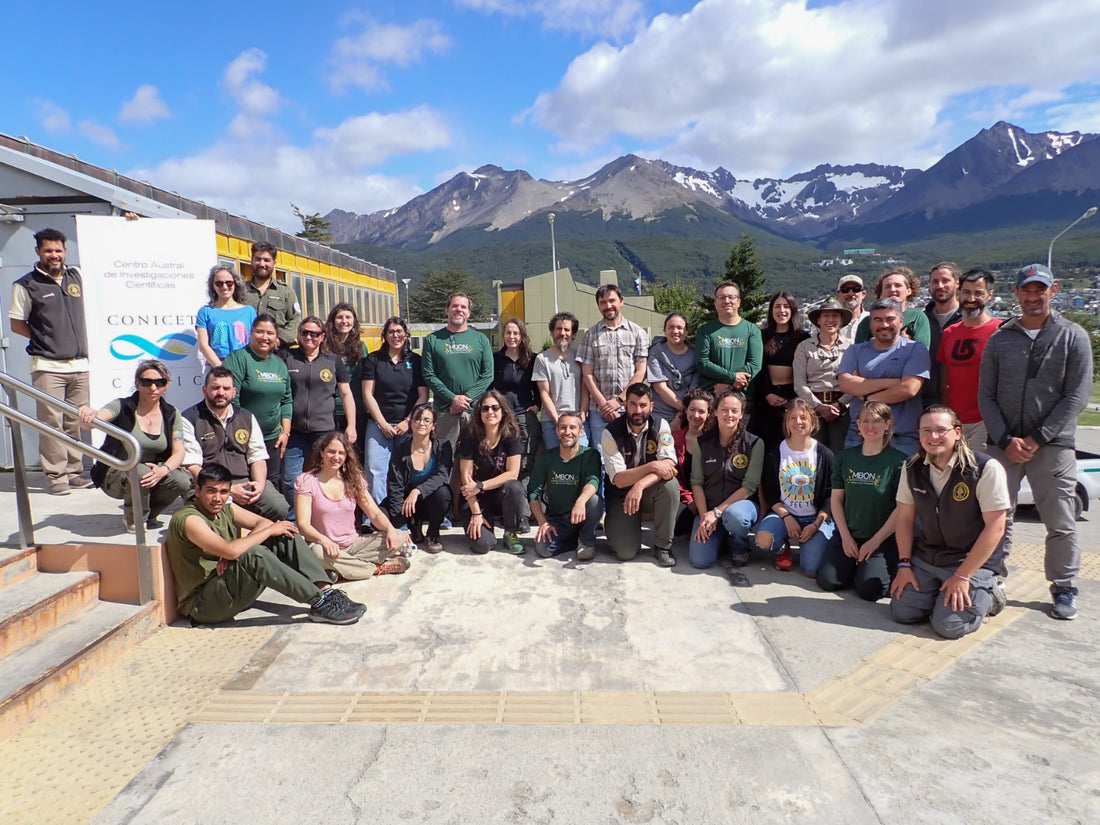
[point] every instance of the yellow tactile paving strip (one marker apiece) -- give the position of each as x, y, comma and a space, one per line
80, 753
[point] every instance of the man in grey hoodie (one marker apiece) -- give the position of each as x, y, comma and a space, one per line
1036, 377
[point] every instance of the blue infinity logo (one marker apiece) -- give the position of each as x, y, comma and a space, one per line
171, 347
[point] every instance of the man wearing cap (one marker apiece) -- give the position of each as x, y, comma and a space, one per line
851, 292
1036, 377
960, 354
816, 360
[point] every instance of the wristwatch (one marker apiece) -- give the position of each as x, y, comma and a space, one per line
481, 485
717, 512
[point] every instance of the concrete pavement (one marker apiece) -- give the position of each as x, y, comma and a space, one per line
505, 689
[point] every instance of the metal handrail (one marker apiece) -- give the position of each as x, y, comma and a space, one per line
127, 464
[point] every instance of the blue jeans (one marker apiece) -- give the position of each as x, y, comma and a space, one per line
810, 553
568, 534
298, 446
550, 435
377, 459
732, 531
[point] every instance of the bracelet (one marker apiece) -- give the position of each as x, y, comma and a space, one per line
478, 513
904, 565
964, 578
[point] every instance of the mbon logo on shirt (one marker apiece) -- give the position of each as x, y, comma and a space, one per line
731, 342
457, 348
567, 479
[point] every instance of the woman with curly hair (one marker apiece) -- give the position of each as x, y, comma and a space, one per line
223, 325
488, 472
342, 340
325, 497
694, 418
725, 474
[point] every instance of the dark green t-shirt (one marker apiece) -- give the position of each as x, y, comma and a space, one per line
263, 388
557, 483
191, 565
870, 485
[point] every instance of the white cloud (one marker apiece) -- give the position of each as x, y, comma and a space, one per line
358, 60
259, 179
98, 133
605, 18
144, 107
766, 87
253, 98
52, 116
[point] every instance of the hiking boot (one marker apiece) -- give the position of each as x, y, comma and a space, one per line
585, 552
342, 598
999, 599
783, 560
335, 610
664, 557
513, 544
434, 545
1064, 606
398, 564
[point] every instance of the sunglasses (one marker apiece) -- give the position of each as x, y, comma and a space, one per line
153, 382
851, 288
225, 283
490, 408
309, 333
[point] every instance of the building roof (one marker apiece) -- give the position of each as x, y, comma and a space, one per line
128, 194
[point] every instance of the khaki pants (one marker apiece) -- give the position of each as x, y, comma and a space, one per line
359, 559
60, 462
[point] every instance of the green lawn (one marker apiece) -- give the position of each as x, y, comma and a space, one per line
1089, 418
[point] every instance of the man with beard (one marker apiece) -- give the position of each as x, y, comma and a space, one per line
889, 368
612, 356
563, 493
267, 295
640, 475
943, 312
1036, 377
217, 432
960, 353
47, 306
558, 379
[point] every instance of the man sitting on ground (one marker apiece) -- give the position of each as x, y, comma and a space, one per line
948, 558
219, 574
640, 465
563, 493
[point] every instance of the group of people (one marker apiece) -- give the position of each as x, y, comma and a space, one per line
885, 445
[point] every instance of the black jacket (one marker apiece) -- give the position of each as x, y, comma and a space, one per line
401, 469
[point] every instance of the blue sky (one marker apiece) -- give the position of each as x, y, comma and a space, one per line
249, 106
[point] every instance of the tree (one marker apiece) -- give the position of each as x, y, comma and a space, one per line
680, 296
314, 227
744, 270
427, 301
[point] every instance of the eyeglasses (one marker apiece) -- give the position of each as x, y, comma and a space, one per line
938, 432
225, 283
309, 333
850, 288
490, 408
153, 382
395, 331
729, 299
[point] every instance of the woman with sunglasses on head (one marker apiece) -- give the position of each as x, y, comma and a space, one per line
325, 497
796, 483
158, 428
263, 388
419, 481
488, 472
317, 378
863, 552
223, 325
513, 367
393, 383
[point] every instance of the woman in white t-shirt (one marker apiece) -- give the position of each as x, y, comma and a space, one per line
796, 484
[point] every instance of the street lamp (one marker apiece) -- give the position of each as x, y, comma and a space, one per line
1050, 249
406, 282
554, 261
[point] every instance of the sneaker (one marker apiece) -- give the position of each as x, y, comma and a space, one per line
152, 523
513, 544
334, 610
1064, 606
333, 576
999, 599
80, 483
398, 564
434, 545
342, 598
739, 558
665, 558
585, 552
446, 524
783, 560
524, 524
542, 549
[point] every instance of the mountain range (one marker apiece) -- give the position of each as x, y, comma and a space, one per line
493, 206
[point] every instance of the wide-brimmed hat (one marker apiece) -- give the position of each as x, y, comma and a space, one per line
831, 304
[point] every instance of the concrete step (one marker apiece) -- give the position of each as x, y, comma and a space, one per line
16, 565
45, 669
38, 604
